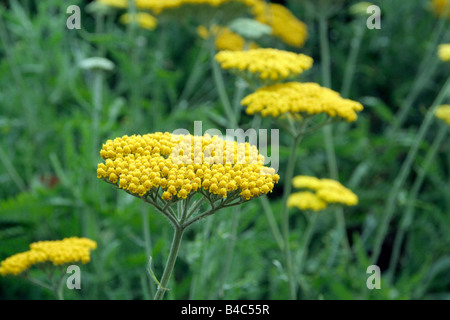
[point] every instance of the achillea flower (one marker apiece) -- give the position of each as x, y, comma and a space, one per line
443, 113
181, 165
283, 23
57, 252
300, 98
320, 193
225, 39
444, 52
441, 8
265, 63
144, 20
168, 170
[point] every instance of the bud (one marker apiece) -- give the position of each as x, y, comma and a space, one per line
96, 63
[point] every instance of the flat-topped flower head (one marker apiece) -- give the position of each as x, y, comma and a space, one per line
174, 167
443, 113
318, 193
444, 52
57, 252
284, 24
300, 99
266, 64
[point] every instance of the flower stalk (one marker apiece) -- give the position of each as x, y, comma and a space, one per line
405, 171
176, 242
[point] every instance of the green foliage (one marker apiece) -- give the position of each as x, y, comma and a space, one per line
55, 114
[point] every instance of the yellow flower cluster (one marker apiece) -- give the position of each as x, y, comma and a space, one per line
441, 7
283, 23
306, 200
300, 98
58, 252
144, 20
265, 63
183, 164
444, 52
443, 113
321, 193
225, 39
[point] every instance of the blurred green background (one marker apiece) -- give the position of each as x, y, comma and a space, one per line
54, 116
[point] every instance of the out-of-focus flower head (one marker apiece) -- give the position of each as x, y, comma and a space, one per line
267, 65
143, 19
441, 8
319, 193
295, 98
443, 113
58, 252
283, 22
225, 39
444, 52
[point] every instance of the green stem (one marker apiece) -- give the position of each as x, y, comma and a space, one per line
220, 86
330, 152
405, 170
448, 181
14, 175
194, 208
423, 76
408, 216
147, 240
40, 284
230, 250
97, 106
326, 81
240, 85
199, 217
198, 277
328, 130
285, 216
97, 101
195, 74
355, 46
135, 90
59, 288
324, 51
272, 222
306, 241
157, 89
162, 288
